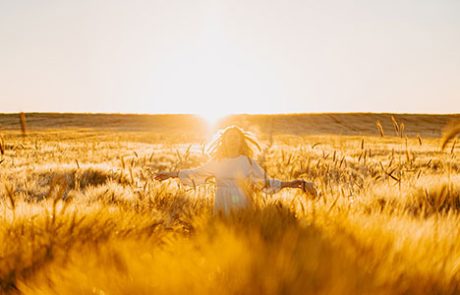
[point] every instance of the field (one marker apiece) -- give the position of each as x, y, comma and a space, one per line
81, 213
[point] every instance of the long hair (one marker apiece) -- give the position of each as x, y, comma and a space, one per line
218, 150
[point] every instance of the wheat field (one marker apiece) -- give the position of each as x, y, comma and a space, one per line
81, 213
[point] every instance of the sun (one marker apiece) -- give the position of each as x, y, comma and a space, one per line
213, 117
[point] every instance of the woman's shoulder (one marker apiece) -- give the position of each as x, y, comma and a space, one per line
243, 159
249, 160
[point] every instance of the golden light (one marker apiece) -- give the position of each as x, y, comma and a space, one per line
213, 117
214, 78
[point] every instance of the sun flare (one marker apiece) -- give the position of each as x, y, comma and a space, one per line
212, 117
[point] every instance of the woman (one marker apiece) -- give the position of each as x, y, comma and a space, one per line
234, 171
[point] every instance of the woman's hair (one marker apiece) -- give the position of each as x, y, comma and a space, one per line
217, 149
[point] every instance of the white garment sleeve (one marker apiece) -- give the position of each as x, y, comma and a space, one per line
261, 180
198, 175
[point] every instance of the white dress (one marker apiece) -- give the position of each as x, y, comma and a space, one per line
231, 175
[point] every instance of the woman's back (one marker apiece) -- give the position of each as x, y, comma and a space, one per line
233, 177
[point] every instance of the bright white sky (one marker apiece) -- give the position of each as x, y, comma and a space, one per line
238, 56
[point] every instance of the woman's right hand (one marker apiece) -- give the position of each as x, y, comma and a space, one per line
164, 175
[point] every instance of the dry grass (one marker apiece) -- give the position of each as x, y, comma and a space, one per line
82, 215
450, 132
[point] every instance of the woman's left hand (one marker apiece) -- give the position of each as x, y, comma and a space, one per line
306, 186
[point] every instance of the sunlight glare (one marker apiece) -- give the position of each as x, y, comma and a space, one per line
213, 77
213, 117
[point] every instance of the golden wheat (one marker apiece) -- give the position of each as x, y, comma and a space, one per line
81, 214
449, 133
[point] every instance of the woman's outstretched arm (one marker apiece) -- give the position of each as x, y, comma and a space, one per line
275, 185
308, 187
193, 176
165, 175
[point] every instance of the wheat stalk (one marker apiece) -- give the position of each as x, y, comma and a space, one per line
22, 120
2, 149
380, 128
2, 146
449, 133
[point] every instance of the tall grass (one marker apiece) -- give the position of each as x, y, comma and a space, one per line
83, 216
450, 132
22, 121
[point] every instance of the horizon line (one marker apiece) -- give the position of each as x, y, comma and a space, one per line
234, 114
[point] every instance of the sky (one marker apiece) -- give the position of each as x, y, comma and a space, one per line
215, 57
